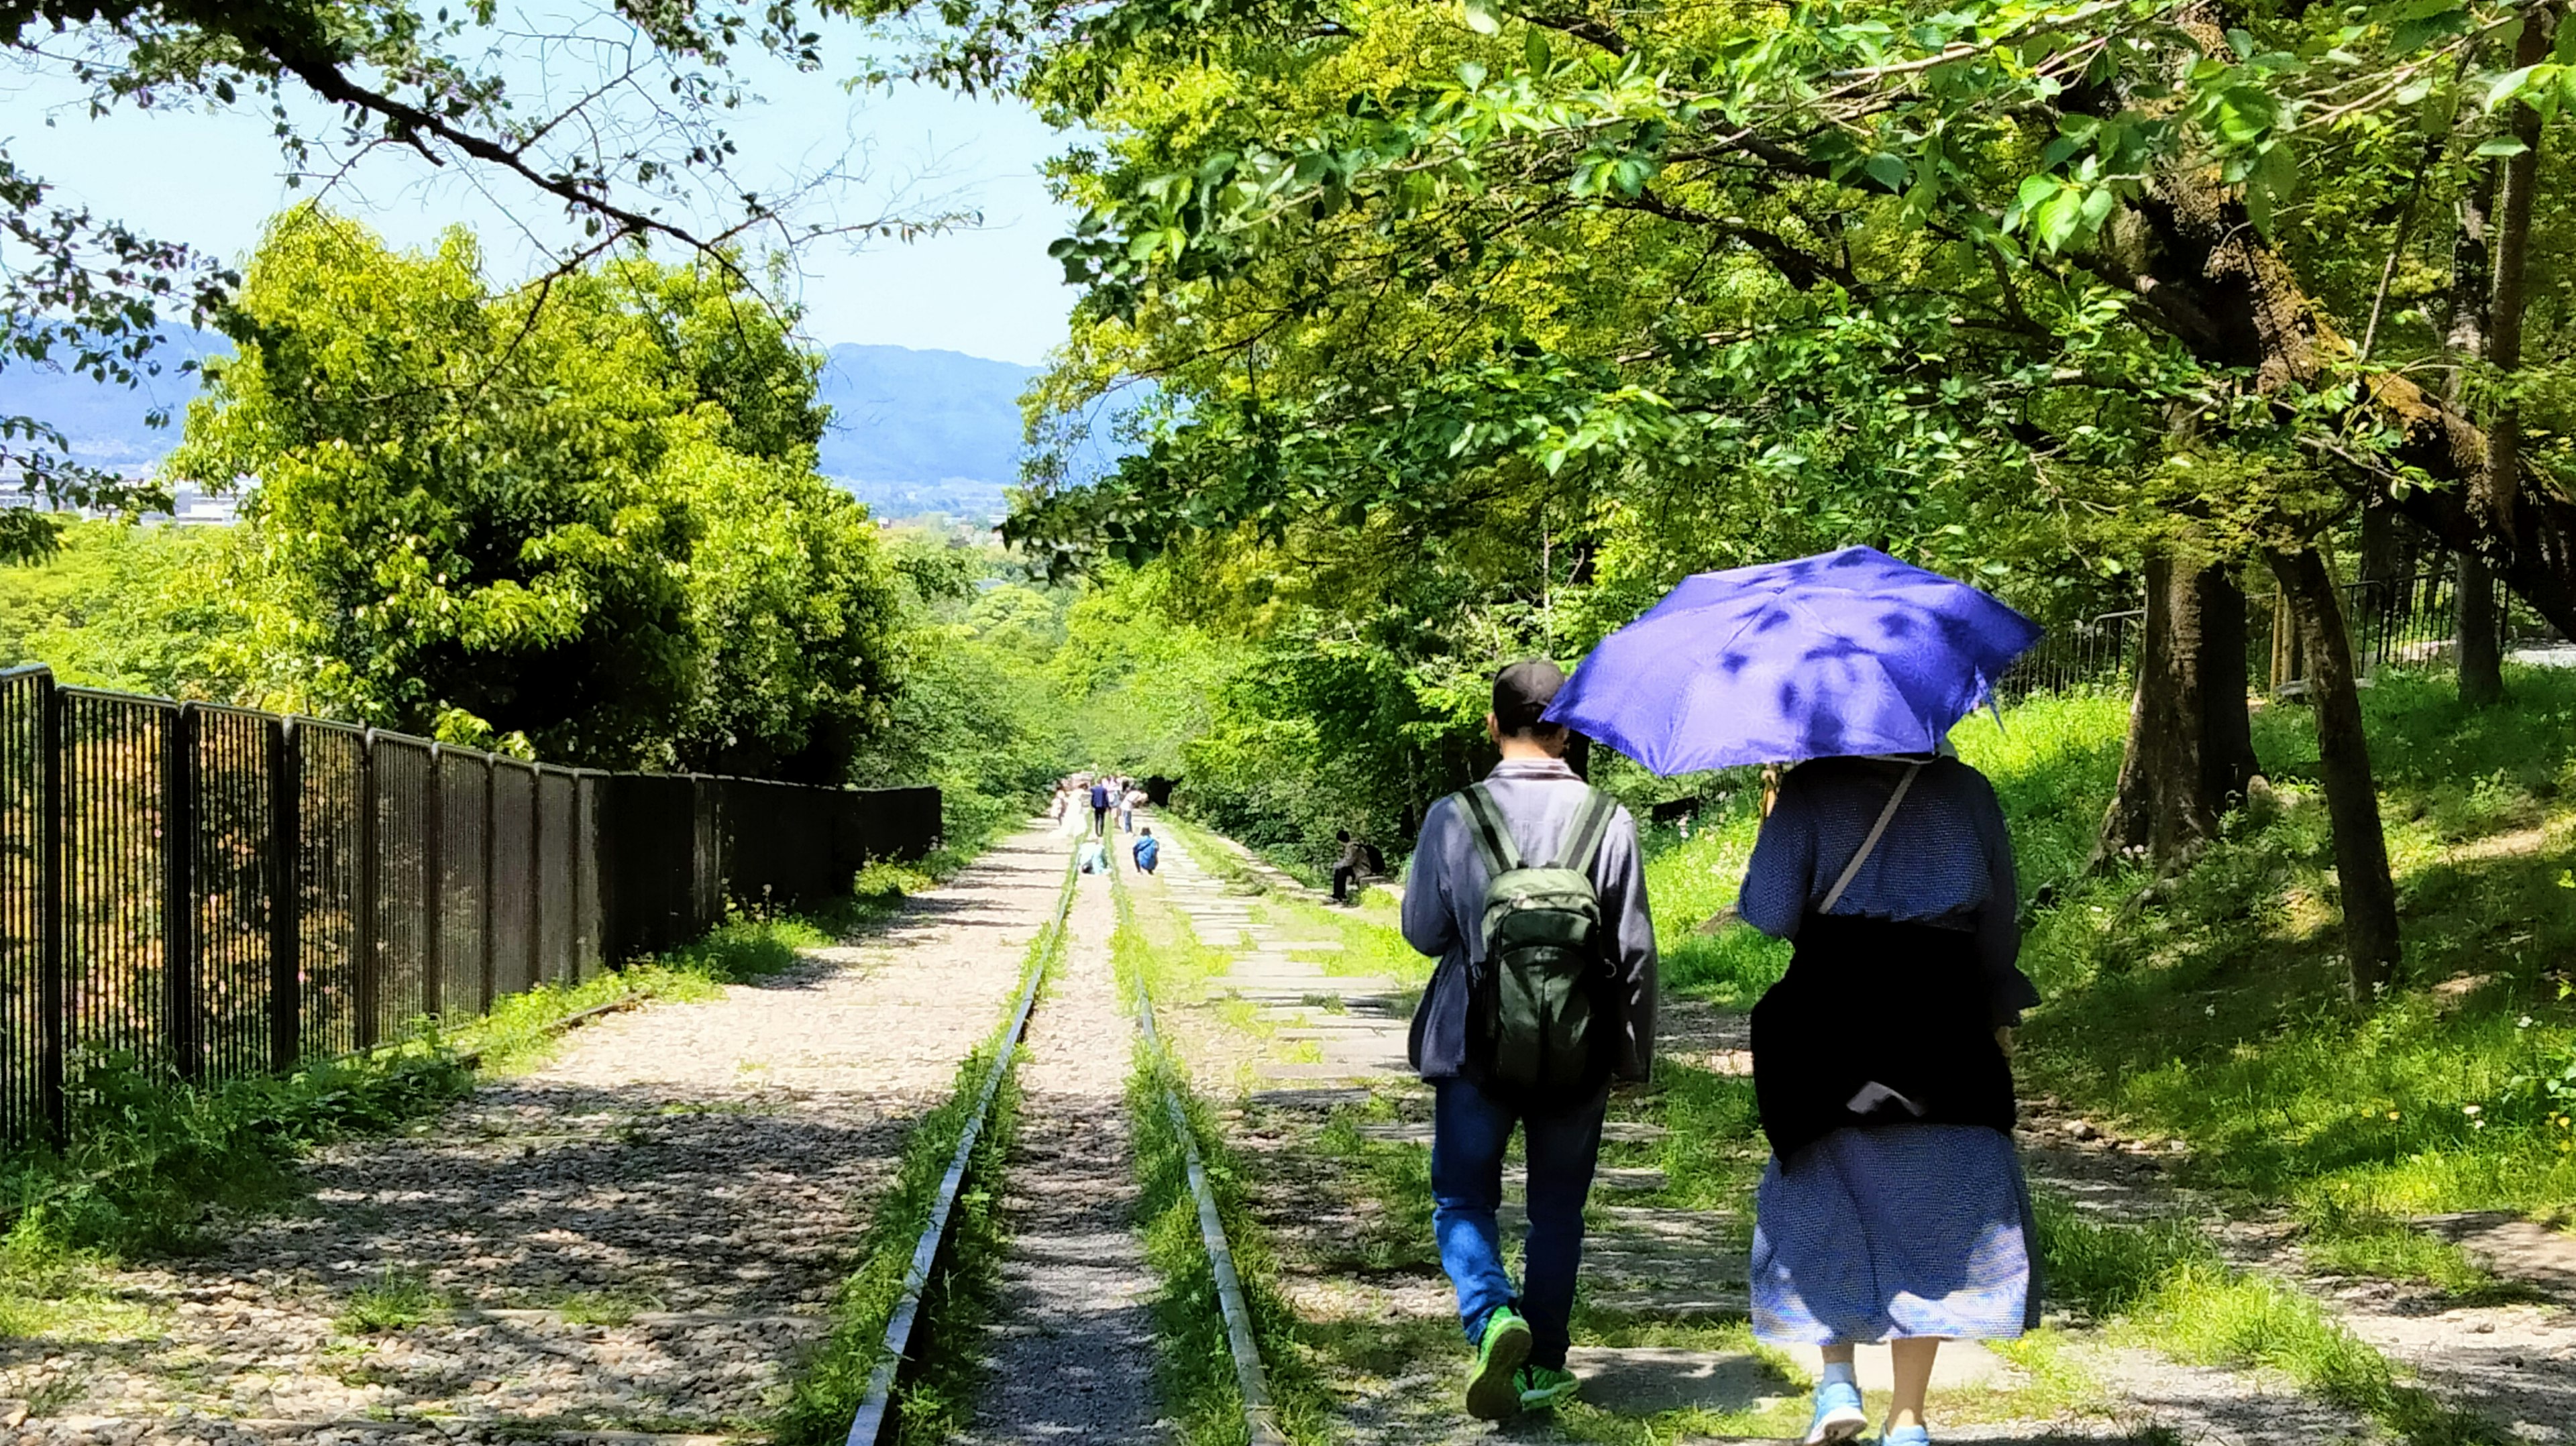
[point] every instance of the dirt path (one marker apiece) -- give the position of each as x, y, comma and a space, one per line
2513, 1362
1072, 1349
640, 1237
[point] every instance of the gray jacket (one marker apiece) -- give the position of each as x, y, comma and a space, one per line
1444, 903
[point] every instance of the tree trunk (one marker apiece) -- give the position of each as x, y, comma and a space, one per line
2343, 753
2468, 339
2190, 752
2480, 644
2496, 487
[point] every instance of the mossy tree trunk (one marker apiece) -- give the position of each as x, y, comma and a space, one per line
2190, 753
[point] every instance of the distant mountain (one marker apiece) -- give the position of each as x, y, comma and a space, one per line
900, 415
912, 431
106, 424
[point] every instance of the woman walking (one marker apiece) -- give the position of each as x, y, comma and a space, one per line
1894, 1207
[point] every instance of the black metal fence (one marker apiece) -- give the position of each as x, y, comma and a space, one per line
217, 892
2392, 622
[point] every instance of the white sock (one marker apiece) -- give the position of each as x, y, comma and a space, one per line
1841, 1371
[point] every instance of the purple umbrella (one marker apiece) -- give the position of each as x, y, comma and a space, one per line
1846, 652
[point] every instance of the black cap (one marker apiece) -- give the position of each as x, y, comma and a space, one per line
1523, 691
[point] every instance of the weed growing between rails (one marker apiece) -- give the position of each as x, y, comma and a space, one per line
1197, 1375
939, 1397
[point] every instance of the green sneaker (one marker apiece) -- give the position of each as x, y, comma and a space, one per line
1544, 1388
1493, 1393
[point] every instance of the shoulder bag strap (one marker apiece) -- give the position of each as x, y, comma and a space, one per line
1493, 836
1584, 835
1834, 896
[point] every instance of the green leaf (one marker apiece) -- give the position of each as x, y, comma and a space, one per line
2503, 87
1534, 49
2059, 218
1483, 18
1888, 170
2501, 146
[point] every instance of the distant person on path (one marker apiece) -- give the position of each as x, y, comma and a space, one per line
1100, 808
1521, 1027
1894, 1207
1133, 800
1147, 852
1358, 861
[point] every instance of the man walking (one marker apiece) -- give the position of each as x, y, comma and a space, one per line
1100, 807
1538, 1002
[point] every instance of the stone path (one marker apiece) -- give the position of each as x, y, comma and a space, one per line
641, 1236
1072, 1347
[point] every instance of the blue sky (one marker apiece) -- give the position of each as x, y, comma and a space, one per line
212, 178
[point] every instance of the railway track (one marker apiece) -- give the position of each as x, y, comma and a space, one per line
911, 1325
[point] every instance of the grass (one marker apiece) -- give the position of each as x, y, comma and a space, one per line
830, 1385
397, 1299
1196, 1377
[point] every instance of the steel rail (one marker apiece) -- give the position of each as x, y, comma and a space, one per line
876, 1408
1260, 1418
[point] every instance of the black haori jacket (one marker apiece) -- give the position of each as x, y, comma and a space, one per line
1890, 1017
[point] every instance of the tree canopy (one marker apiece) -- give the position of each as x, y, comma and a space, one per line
584, 513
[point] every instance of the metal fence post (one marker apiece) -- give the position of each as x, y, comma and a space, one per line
179, 890
285, 895
491, 907
52, 1005
536, 876
433, 951
363, 903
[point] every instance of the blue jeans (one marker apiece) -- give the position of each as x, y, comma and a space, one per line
1470, 1131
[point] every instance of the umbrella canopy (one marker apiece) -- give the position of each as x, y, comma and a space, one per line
1846, 652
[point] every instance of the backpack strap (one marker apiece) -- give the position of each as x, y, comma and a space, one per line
1584, 835
1852, 870
1493, 837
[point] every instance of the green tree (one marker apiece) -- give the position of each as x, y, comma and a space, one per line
582, 514
797, 616
2046, 293
142, 609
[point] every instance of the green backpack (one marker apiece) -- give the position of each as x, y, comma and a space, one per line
1536, 996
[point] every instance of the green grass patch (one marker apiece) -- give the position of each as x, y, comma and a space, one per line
2208, 1313
397, 1299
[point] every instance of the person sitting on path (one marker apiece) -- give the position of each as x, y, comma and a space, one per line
1581, 1010
1893, 1208
1092, 857
1147, 851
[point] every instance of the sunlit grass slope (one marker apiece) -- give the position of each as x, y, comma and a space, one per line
2212, 1011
